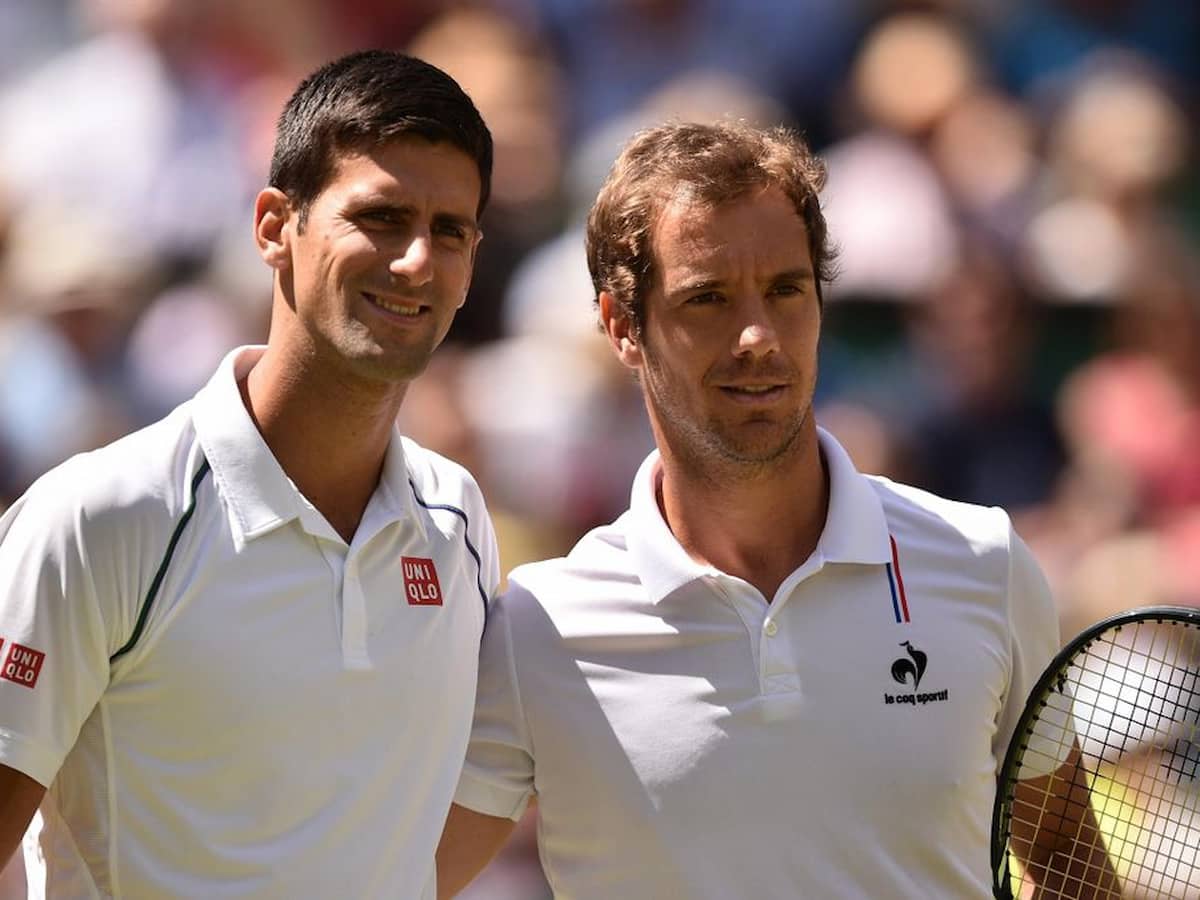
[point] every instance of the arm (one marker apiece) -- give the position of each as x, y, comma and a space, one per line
1048, 850
497, 781
42, 552
469, 842
19, 799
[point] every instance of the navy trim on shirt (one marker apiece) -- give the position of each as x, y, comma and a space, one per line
466, 537
162, 566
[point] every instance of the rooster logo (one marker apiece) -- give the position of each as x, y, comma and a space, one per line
914, 666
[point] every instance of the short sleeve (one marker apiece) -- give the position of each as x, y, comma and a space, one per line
53, 638
497, 778
1033, 637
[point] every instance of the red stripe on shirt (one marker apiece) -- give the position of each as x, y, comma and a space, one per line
899, 578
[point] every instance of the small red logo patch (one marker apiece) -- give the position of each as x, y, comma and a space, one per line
22, 665
421, 581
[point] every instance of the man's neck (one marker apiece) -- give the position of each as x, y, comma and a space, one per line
329, 435
759, 528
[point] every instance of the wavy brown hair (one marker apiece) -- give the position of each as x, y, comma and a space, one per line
713, 164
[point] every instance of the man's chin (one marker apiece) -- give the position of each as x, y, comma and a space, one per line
759, 443
391, 366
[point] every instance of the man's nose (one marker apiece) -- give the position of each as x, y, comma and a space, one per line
414, 263
757, 334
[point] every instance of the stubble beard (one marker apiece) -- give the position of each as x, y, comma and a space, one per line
371, 358
713, 449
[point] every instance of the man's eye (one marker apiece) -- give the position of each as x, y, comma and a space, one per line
705, 298
379, 217
787, 289
450, 230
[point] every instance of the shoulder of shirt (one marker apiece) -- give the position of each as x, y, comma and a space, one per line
439, 480
913, 512
142, 480
599, 558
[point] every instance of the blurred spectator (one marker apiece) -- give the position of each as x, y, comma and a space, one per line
1115, 145
1041, 39
617, 52
891, 219
63, 317
140, 132
176, 345
1133, 414
887, 208
990, 439
985, 151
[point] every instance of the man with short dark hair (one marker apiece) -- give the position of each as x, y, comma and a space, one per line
772, 676
238, 648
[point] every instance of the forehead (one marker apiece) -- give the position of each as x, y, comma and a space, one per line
761, 227
408, 169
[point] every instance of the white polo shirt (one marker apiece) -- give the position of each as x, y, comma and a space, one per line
687, 739
224, 698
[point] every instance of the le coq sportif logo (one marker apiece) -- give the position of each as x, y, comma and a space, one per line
909, 670
912, 666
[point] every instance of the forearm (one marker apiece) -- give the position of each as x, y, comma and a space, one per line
1082, 875
1066, 855
469, 842
19, 799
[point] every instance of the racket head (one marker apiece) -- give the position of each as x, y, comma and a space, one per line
1128, 688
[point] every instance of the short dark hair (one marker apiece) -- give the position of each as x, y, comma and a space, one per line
365, 99
715, 163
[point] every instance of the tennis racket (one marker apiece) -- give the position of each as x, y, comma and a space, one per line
1103, 767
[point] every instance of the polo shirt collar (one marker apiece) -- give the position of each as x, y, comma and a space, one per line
855, 527
856, 530
258, 493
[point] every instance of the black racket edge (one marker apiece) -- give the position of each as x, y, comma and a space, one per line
1001, 809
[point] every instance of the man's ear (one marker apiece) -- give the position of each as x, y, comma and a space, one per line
272, 212
620, 331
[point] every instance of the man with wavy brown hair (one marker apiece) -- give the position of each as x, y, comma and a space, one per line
773, 676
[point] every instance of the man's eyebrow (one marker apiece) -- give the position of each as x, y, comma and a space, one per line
804, 274
449, 218
377, 201
699, 284
708, 284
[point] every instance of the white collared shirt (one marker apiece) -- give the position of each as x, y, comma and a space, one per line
229, 700
686, 738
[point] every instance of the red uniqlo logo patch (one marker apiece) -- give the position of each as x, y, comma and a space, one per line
421, 581
22, 665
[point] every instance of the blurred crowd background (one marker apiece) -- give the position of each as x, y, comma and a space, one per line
1013, 184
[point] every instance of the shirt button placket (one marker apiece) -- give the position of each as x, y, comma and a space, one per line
354, 620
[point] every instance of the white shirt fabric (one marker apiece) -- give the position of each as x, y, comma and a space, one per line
687, 739
229, 700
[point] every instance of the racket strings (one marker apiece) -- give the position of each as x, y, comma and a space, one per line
1130, 700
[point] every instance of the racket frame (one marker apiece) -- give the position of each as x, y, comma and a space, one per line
1005, 784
